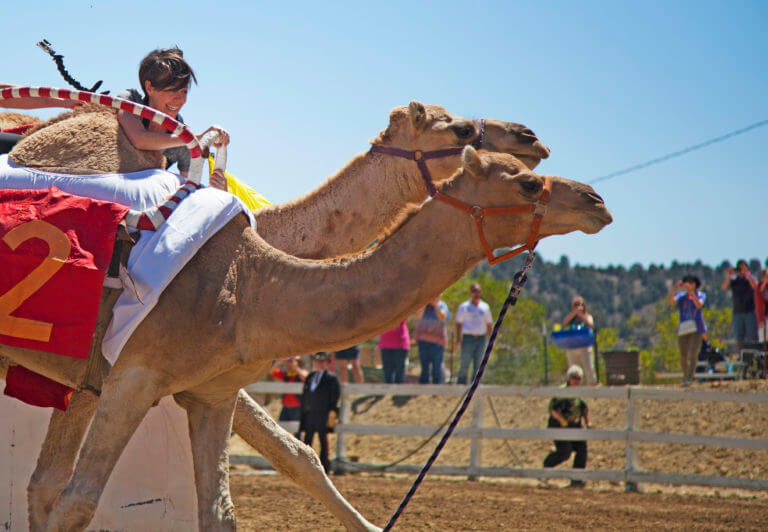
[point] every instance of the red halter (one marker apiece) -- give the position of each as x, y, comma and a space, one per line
539, 209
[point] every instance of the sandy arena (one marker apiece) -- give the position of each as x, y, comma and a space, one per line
270, 502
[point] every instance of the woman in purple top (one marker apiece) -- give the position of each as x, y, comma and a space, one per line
689, 302
394, 346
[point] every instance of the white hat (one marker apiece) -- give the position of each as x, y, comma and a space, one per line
574, 371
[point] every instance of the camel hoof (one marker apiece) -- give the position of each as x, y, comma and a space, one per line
71, 514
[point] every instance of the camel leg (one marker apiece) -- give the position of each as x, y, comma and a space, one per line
209, 428
125, 399
57, 456
294, 459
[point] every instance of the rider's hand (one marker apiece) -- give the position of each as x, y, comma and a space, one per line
223, 135
218, 180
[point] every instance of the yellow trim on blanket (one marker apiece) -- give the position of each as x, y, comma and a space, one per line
252, 199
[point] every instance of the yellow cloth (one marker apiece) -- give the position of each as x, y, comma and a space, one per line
252, 199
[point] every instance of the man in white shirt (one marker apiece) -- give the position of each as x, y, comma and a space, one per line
473, 326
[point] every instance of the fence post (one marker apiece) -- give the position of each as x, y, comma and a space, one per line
344, 416
476, 444
633, 418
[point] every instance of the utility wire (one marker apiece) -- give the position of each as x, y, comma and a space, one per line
680, 152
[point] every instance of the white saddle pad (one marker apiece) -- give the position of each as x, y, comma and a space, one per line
138, 190
159, 255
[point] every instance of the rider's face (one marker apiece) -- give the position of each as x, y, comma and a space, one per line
168, 101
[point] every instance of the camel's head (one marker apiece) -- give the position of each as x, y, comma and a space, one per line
430, 127
499, 180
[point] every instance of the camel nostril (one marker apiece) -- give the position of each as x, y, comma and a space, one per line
527, 135
595, 197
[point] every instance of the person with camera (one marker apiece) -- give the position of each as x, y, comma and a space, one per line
742, 286
568, 412
581, 356
689, 301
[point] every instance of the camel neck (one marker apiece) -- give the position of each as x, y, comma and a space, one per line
345, 214
335, 303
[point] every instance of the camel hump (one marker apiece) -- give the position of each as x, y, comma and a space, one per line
88, 140
9, 120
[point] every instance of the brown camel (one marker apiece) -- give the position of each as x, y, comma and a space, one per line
246, 294
412, 127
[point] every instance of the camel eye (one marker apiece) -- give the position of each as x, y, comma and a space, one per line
464, 132
531, 186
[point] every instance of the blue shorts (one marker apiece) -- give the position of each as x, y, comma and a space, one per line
350, 353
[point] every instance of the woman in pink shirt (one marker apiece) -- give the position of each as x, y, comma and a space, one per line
394, 346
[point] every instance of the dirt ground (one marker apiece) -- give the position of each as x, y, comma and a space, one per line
269, 502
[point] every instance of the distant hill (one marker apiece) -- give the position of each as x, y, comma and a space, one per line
614, 294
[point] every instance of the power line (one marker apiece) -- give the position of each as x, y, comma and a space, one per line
680, 152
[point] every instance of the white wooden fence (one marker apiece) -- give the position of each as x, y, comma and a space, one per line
631, 475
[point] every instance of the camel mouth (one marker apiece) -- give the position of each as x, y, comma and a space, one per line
540, 149
598, 218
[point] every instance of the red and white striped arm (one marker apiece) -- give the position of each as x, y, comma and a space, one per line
154, 217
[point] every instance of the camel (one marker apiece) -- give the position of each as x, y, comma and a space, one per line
246, 293
414, 127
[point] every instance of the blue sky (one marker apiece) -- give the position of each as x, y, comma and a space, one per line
302, 87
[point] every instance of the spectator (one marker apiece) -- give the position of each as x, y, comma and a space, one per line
431, 336
568, 413
293, 372
473, 326
581, 356
320, 405
349, 355
394, 346
689, 300
742, 286
761, 303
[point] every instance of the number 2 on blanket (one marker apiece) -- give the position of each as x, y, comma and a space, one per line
58, 252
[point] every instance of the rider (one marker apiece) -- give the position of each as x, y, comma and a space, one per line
165, 78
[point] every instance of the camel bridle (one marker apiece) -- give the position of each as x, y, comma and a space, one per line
539, 209
421, 157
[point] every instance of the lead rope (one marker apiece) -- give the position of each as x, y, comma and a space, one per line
517, 285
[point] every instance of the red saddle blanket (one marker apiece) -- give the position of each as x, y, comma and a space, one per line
54, 250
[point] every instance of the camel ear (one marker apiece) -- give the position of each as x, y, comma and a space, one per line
418, 114
471, 161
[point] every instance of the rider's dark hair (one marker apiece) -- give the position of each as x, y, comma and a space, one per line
166, 69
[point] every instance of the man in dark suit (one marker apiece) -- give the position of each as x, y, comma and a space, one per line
319, 405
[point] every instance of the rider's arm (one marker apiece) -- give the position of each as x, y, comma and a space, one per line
143, 139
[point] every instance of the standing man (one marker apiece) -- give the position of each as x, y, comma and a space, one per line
473, 326
743, 287
320, 405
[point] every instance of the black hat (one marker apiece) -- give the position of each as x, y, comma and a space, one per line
321, 356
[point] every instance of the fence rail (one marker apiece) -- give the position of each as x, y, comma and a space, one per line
631, 475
